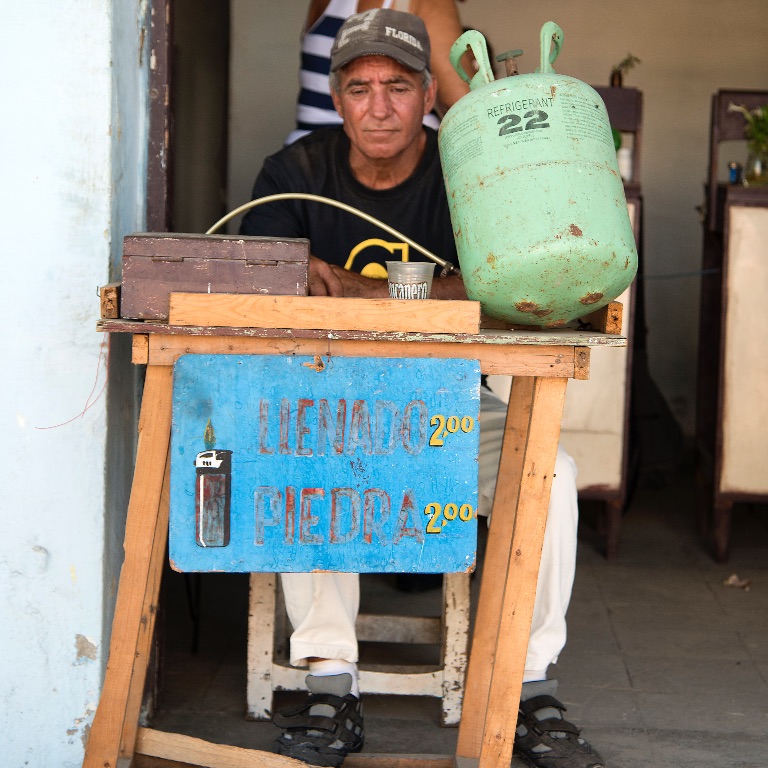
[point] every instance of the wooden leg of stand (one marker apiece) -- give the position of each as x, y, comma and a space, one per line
137, 577
503, 623
148, 616
496, 556
522, 572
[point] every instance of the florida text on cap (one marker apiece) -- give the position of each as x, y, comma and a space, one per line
382, 32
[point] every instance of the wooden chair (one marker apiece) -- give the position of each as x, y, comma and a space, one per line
269, 670
731, 380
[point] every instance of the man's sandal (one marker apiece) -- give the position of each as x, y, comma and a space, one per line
545, 739
322, 730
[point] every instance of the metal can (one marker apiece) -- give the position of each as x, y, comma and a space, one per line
212, 497
535, 193
735, 172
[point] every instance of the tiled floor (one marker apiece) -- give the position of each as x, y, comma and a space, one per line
665, 665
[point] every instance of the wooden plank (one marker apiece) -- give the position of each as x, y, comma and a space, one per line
148, 615
410, 680
522, 572
179, 246
205, 754
103, 746
148, 282
140, 349
398, 761
381, 760
489, 604
155, 264
604, 320
519, 337
455, 644
607, 319
145, 761
581, 363
158, 44
500, 359
197, 752
325, 313
261, 643
109, 300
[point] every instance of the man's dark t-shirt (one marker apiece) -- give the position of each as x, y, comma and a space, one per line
318, 164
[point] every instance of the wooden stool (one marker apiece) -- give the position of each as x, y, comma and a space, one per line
269, 670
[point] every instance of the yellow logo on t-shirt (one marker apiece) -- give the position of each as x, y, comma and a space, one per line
375, 268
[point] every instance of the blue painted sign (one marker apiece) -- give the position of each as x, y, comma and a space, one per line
297, 464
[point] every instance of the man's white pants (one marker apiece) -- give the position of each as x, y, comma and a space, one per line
322, 607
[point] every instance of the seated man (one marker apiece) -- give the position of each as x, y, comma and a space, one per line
384, 162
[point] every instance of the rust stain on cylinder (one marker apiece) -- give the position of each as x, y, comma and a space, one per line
591, 298
532, 308
575, 231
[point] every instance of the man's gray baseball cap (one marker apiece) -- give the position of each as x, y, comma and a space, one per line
382, 32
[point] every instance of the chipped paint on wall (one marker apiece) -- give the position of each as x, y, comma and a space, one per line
82, 725
86, 649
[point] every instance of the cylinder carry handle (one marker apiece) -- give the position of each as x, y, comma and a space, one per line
551, 43
473, 40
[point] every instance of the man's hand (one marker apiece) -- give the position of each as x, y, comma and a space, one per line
356, 286
331, 280
323, 281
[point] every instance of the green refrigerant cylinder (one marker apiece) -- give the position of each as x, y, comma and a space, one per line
536, 199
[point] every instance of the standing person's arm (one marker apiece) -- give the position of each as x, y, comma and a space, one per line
314, 11
444, 27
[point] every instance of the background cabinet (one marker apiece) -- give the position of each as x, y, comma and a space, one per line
732, 407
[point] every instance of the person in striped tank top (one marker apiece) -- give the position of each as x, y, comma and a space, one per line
314, 108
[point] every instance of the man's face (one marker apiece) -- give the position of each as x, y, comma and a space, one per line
382, 104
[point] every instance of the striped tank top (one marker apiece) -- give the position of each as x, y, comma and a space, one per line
314, 108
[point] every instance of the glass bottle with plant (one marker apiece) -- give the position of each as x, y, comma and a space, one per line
618, 71
756, 134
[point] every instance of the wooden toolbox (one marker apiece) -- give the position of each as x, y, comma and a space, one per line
155, 264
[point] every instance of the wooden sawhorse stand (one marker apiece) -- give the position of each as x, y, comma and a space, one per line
541, 363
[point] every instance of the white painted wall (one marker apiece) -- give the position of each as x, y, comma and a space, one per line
73, 135
688, 48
